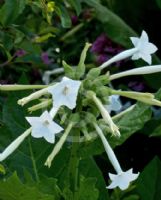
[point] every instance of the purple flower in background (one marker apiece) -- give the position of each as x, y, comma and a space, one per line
45, 58
102, 58
104, 49
20, 53
100, 44
137, 86
74, 19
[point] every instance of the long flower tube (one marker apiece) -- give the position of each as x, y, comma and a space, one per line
138, 71
32, 96
106, 116
121, 56
58, 145
147, 98
121, 179
14, 145
16, 87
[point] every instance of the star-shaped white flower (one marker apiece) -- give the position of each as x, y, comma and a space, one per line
122, 180
114, 103
44, 126
65, 93
145, 48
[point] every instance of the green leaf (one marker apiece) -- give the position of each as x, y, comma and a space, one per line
87, 189
69, 71
77, 5
2, 169
64, 16
158, 3
13, 189
148, 186
88, 168
132, 197
113, 24
80, 70
11, 10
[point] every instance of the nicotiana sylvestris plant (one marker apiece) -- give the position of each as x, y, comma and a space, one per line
85, 95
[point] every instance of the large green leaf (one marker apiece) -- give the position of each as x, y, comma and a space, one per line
87, 189
88, 168
76, 4
13, 189
11, 10
149, 187
115, 27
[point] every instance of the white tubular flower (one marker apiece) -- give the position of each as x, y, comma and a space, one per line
145, 48
58, 146
114, 103
142, 49
14, 145
121, 179
138, 71
107, 118
32, 96
44, 126
65, 93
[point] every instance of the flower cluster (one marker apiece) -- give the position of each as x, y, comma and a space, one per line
91, 99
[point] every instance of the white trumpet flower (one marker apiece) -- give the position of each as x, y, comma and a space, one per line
44, 126
142, 49
14, 145
121, 179
64, 93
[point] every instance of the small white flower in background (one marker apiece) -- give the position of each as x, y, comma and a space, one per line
65, 93
122, 180
114, 104
44, 126
145, 48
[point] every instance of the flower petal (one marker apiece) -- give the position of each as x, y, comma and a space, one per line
134, 40
147, 58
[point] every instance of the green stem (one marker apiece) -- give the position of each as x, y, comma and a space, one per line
73, 168
72, 31
33, 161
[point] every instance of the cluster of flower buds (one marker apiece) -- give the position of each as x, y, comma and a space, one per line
84, 93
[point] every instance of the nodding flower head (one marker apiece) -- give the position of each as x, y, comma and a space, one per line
122, 180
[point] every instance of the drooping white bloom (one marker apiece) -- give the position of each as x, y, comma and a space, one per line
114, 103
65, 93
14, 145
121, 179
145, 48
142, 49
44, 126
